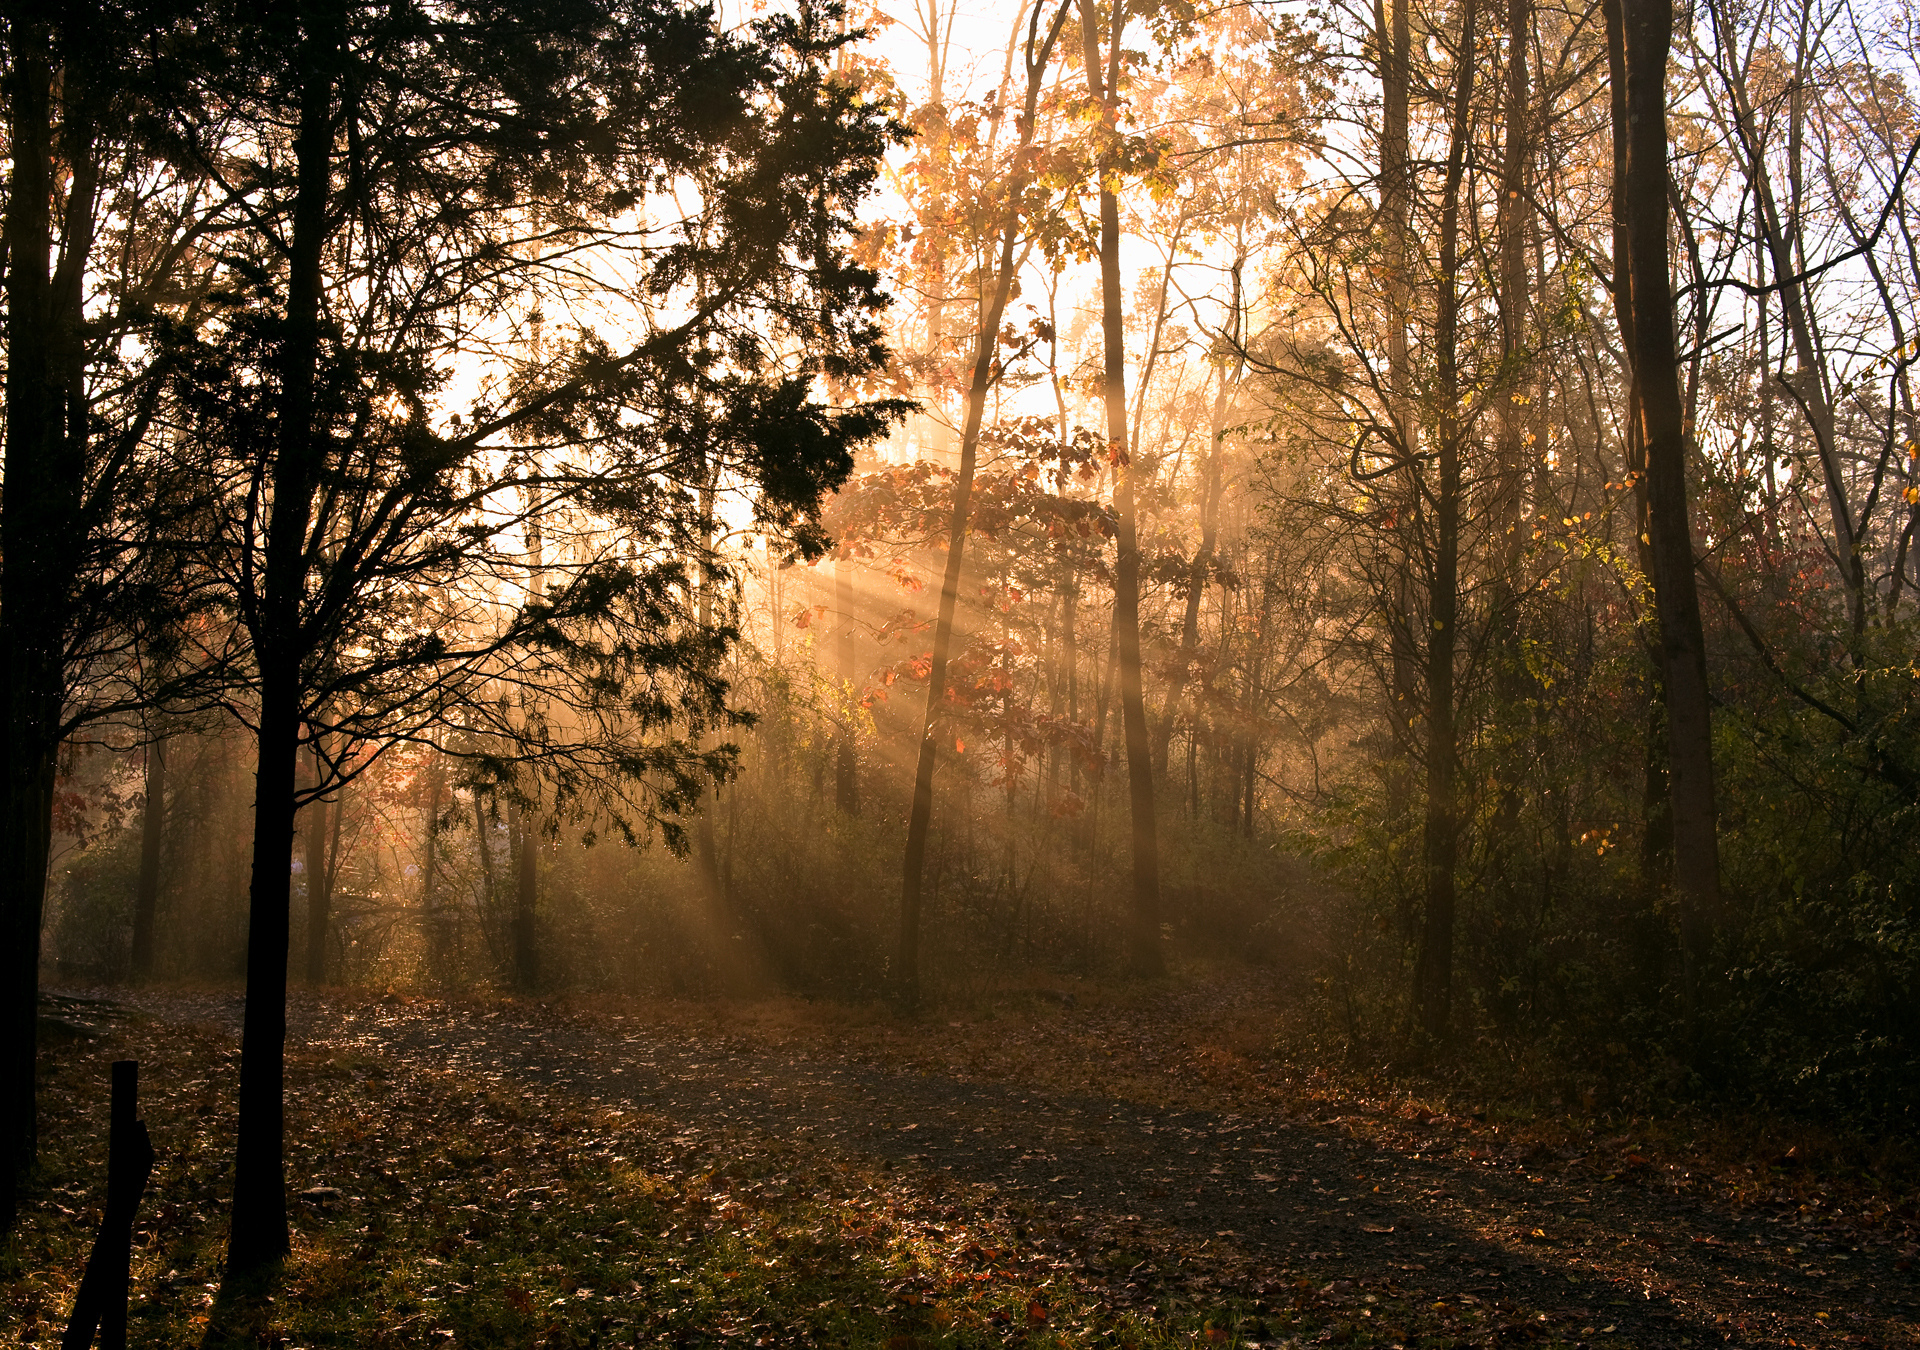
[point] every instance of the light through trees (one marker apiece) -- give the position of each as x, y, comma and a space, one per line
900, 505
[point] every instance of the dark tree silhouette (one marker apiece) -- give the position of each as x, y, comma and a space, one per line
452, 177
1640, 35
98, 235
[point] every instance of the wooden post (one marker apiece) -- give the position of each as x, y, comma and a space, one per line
101, 1304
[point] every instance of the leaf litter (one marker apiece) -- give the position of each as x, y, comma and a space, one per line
488, 1172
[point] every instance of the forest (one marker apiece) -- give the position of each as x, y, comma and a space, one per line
1336, 566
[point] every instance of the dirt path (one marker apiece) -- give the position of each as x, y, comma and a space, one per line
1247, 1199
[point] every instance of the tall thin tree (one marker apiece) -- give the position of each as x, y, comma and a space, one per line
1038, 55
1103, 79
1640, 37
1441, 840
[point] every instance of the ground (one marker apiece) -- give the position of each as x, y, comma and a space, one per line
1054, 1167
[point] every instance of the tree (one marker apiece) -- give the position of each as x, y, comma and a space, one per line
1442, 834
153, 815
1103, 79
1393, 60
100, 237
846, 764
1235, 114
323, 821
1037, 56
1396, 394
1640, 35
452, 175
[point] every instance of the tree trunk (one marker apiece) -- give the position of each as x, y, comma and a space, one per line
436, 934
28, 827
1656, 815
906, 971
727, 957
1070, 658
1645, 926
258, 1237
1645, 35
146, 891
1056, 679
1511, 446
846, 782
1209, 536
1514, 277
1393, 38
1442, 833
44, 472
322, 865
1511, 452
1781, 239
526, 897
1252, 783
1143, 935
489, 889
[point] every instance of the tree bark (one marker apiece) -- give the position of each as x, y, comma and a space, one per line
1645, 35
1442, 832
489, 889
146, 891
726, 943
1511, 452
1644, 924
1656, 814
1394, 41
44, 473
846, 781
526, 899
258, 1237
1143, 934
436, 935
322, 865
1515, 275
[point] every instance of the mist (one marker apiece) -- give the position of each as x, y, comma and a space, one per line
1278, 565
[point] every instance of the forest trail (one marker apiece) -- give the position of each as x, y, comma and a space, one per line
1252, 1203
